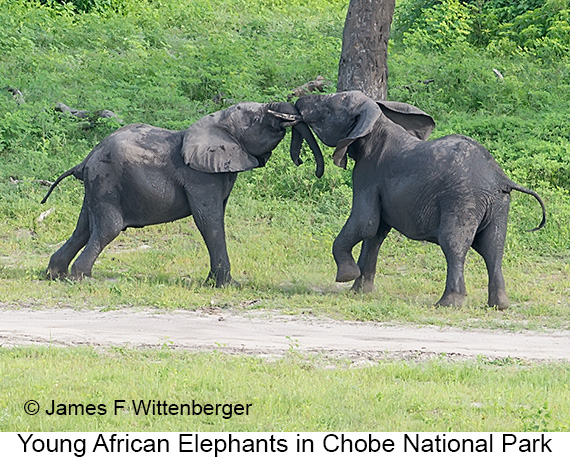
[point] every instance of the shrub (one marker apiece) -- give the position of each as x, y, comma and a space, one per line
441, 25
539, 27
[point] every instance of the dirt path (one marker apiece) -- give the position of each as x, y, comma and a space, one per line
268, 334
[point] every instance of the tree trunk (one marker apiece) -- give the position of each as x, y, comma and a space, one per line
363, 62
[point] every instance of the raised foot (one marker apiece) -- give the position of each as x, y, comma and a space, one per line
346, 273
454, 300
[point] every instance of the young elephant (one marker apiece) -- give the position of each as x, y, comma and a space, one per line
449, 191
142, 175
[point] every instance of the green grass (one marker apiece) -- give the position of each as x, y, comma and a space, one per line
163, 63
291, 394
281, 256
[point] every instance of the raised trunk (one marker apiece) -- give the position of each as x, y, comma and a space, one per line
363, 62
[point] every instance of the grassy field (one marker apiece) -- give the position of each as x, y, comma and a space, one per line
283, 263
165, 63
292, 394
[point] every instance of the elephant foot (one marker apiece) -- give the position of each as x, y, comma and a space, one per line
219, 281
53, 274
231, 283
499, 300
451, 300
78, 275
362, 285
347, 272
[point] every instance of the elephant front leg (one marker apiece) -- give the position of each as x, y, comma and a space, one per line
210, 223
362, 224
346, 267
368, 260
207, 196
219, 274
215, 239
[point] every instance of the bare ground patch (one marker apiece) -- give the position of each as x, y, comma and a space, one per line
269, 334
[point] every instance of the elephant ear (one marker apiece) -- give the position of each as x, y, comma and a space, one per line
367, 115
414, 120
209, 147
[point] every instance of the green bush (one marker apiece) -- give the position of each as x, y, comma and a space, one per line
443, 24
538, 27
89, 6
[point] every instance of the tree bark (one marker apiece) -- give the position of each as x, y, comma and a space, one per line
364, 60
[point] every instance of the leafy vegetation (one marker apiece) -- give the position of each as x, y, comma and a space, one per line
495, 70
536, 27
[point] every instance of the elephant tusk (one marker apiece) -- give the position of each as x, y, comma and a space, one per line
294, 118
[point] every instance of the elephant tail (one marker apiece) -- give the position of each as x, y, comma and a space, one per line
535, 195
76, 171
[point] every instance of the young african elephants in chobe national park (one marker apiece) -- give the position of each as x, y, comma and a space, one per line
449, 191
142, 175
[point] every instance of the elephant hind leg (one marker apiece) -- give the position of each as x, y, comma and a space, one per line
106, 222
490, 244
60, 260
455, 238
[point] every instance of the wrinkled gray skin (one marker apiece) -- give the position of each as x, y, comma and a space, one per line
448, 191
142, 175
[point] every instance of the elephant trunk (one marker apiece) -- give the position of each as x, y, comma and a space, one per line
296, 143
290, 116
300, 132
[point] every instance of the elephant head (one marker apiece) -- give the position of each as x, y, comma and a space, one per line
342, 118
242, 137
